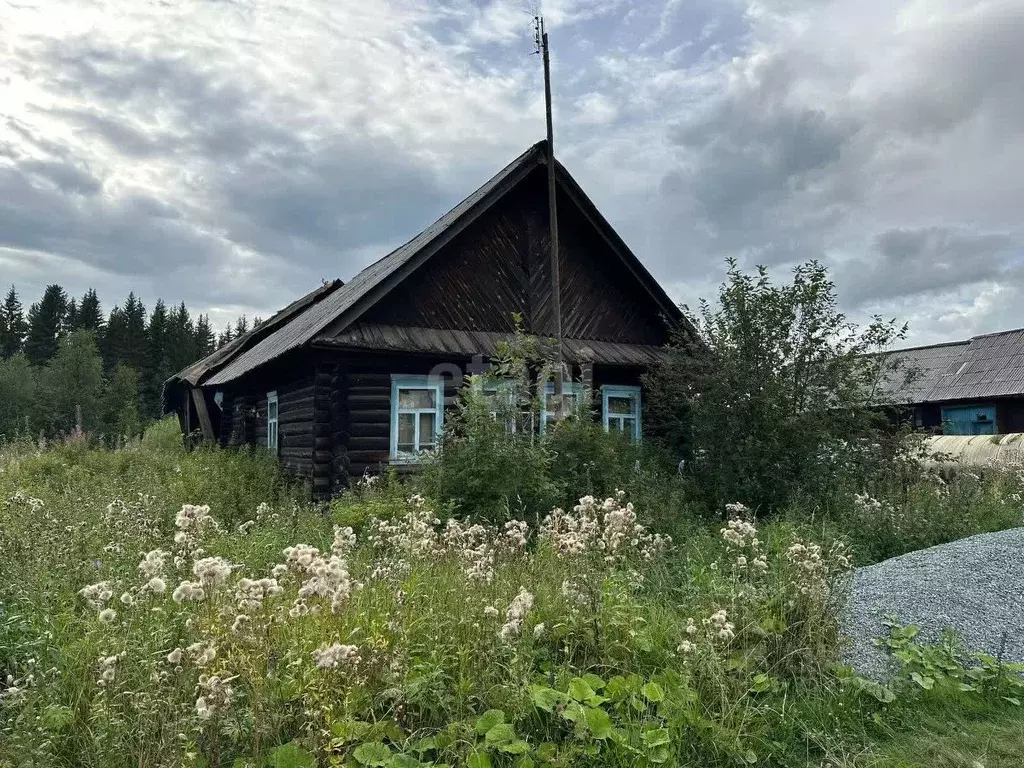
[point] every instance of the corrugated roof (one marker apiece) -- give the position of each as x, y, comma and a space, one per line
304, 328
217, 359
985, 366
439, 341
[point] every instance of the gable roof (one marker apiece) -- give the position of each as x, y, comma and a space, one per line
990, 365
341, 307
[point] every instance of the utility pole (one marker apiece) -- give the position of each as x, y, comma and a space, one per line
541, 38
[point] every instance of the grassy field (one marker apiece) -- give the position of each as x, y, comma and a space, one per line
161, 608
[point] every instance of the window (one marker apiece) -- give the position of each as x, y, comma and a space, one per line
501, 396
272, 422
417, 413
620, 408
572, 392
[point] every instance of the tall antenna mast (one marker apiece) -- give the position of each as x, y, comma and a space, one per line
541, 38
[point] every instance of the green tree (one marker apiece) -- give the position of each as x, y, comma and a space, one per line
73, 380
181, 340
46, 325
90, 315
17, 395
114, 339
157, 362
206, 339
120, 410
783, 381
135, 341
15, 327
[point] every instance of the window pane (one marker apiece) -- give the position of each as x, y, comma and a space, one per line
416, 398
426, 431
272, 409
614, 425
406, 432
628, 425
618, 404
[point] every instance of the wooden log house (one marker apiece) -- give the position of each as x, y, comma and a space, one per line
355, 376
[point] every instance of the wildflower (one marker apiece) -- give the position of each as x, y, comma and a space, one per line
174, 657
279, 570
108, 668
738, 532
96, 595
691, 627
127, 599
152, 563
517, 611
491, 612
186, 591
686, 647
333, 656
344, 541
240, 623
202, 653
212, 571
107, 616
216, 695
741, 562
538, 630
244, 528
719, 626
156, 585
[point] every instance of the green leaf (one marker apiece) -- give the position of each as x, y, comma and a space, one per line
750, 756
659, 755
500, 734
525, 762
580, 690
515, 747
349, 730
488, 720
598, 722
404, 761
547, 751
291, 755
479, 759
55, 717
656, 737
574, 712
762, 683
546, 698
594, 681
1012, 700
372, 753
653, 692
922, 680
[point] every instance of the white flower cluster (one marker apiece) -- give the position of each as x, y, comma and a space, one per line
152, 563
575, 594
108, 668
202, 653
250, 593
741, 534
192, 522
813, 569
516, 614
215, 695
344, 541
188, 591
212, 572
719, 627
335, 655
608, 527
97, 595
20, 498
326, 578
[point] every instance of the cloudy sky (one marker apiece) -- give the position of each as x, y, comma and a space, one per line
232, 153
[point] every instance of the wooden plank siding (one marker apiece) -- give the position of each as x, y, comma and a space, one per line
499, 265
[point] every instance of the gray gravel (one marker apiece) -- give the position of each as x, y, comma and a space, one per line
973, 586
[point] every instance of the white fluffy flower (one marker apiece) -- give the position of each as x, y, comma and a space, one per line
156, 585
333, 656
174, 657
107, 616
187, 591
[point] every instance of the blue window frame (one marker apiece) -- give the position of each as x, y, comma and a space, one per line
417, 414
502, 397
969, 420
272, 422
572, 391
620, 410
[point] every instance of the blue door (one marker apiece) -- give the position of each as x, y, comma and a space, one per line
969, 420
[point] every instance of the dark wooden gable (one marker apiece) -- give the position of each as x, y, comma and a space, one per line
499, 265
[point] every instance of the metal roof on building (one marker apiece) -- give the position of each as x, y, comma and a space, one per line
987, 366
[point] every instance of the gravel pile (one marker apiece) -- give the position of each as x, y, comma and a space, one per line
974, 586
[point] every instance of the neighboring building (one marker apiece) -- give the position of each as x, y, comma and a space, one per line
357, 375
973, 387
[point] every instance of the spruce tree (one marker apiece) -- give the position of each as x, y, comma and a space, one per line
15, 327
71, 316
241, 326
135, 332
206, 339
46, 325
181, 342
114, 340
157, 368
90, 316
225, 338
